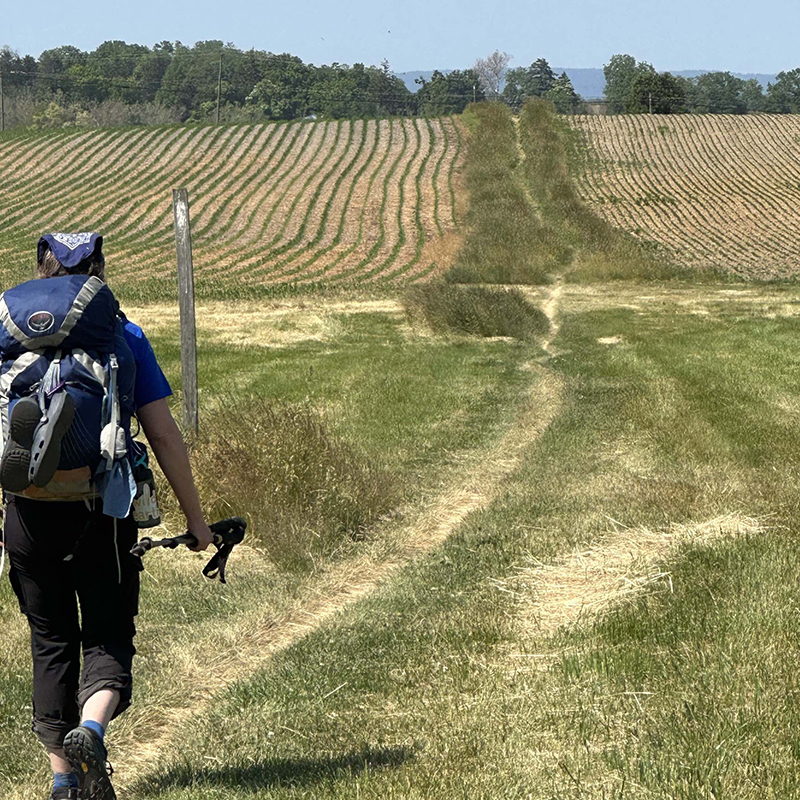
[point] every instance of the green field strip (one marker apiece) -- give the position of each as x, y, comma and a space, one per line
320, 254
100, 187
212, 165
289, 133
314, 169
334, 190
117, 210
176, 153
401, 236
228, 173
290, 178
275, 190
376, 247
48, 176
329, 269
311, 204
131, 177
202, 226
437, 170
325, 192
420, 238
315, 274
155, 190
17, 171
153, 224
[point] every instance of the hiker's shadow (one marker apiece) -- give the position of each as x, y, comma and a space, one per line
274, 773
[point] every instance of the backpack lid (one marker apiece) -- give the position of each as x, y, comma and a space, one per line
70, 311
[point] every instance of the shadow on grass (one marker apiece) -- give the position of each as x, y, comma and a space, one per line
274, 773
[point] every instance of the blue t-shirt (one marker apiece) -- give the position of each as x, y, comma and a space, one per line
151, 383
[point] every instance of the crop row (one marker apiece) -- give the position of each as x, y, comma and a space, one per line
715, 190
271, 203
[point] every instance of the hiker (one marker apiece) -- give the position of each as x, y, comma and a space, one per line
66, 471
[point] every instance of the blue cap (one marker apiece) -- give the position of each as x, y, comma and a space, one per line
70, 248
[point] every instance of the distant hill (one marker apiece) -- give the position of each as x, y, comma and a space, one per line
589, 82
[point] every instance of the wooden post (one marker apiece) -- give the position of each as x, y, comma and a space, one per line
183, 243
2, 105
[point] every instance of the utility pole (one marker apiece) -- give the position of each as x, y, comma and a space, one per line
219, 84
474, 93
2, 106
650, 97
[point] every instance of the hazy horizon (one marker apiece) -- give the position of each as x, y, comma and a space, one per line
421, 36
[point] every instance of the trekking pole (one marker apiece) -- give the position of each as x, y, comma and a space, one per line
227, 534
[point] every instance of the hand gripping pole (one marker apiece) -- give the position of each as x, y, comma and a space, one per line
227, 534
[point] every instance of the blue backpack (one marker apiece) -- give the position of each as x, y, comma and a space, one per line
65, 334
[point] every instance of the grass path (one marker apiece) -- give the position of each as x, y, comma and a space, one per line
256, 638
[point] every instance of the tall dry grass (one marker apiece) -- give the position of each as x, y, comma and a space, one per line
475, 310
506, 241
303, 491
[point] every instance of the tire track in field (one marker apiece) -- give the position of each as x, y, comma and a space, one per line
253, 641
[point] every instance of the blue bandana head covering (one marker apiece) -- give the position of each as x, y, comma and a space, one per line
70, 248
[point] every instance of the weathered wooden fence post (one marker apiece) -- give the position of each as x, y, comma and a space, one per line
183, 244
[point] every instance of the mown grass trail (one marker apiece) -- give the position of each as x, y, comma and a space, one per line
444, 683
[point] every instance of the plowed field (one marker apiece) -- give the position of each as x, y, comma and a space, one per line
298, 202
713, 190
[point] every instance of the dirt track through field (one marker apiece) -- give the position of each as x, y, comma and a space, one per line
252, 641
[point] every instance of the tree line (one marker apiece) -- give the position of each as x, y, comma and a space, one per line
635, 87
121, 83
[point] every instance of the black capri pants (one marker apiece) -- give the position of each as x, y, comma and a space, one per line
64, 555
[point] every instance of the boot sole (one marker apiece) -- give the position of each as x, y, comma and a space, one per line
46, 447
81, 751
15, 465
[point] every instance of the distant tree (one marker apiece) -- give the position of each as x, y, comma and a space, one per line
753, 96
448, 94
621, 73
659, 93
284, 91
524, 82
783, 96
490, 71
718, 93
18, 72
563, 96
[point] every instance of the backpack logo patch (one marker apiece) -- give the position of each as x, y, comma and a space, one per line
41, 321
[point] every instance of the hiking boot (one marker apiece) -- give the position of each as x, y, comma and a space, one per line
65, 794
15, 465
46, 446
86, 754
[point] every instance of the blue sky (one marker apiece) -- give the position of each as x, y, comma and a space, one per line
705, 34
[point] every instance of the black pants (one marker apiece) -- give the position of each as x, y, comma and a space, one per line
63, 554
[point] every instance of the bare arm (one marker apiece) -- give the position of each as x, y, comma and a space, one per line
170, 450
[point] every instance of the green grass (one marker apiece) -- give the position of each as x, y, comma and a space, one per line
436, 686
334, 435
506, 241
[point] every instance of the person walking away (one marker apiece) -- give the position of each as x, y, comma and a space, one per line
74, 373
